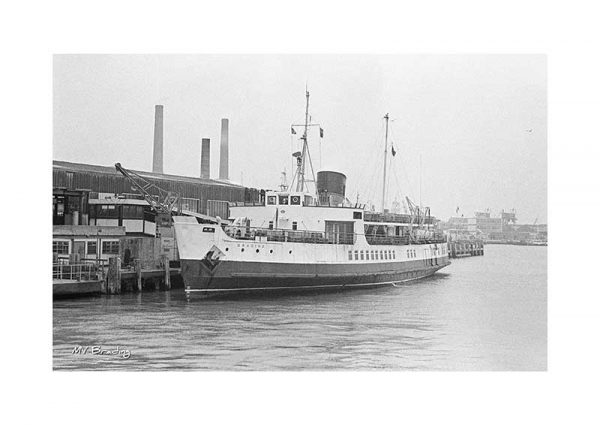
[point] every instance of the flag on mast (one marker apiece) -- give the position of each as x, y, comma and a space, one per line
321, 132
393, 151
293, 131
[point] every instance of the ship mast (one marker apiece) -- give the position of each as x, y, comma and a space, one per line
387, 118
302, 165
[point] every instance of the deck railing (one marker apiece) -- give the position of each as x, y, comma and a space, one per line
306, 236
280, 235
404, 240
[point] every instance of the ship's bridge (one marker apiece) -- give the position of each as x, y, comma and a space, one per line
289, 198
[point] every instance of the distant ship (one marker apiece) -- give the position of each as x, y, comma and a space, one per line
295, 240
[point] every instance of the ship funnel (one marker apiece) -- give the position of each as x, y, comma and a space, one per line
331, 187
157, 158
224, 152
205, 159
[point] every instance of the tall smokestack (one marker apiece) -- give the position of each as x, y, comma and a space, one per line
224, 163
205, 159
157, 158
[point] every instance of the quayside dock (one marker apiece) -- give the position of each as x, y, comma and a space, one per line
458, 249
86, 278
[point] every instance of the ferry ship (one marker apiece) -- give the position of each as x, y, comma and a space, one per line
295, 240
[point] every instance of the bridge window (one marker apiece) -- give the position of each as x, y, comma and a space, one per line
357, 215
295, 200
283, 200
271, 200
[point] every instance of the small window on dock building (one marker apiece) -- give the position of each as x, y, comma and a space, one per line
356, 255
377, 255
60, 247
367, 255
362, 255
92, 248
110, 247
349, 255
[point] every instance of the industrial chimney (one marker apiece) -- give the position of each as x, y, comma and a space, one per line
224, 163
205, 159
157, 158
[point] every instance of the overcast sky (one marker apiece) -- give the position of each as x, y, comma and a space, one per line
469, 131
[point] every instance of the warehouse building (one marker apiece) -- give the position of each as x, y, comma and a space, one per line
74, 185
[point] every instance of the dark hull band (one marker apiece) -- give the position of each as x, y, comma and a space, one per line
229, 278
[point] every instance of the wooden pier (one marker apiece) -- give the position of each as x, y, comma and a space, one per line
72, 280
465, 248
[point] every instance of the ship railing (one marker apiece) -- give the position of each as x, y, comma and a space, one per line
429, 239
404, 240
387, 240
393, 218
281, 235
77, 271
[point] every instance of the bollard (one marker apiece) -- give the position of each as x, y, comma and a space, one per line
165, 261
137, 265
114, 275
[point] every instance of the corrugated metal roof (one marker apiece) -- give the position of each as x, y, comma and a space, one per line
74, 166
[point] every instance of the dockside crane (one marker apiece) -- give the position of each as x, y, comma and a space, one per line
417, 214
162, 202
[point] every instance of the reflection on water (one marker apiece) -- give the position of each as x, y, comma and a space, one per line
480, 313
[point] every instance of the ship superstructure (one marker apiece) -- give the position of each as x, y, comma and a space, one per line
297, 240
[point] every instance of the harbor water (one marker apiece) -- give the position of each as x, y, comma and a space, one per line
480, 313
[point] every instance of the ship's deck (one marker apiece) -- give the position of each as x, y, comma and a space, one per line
322, 237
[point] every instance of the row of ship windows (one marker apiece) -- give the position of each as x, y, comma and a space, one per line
372, 255
367, 255
381, 255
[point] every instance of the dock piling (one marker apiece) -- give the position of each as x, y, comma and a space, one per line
114, 275
165, 261
137, 265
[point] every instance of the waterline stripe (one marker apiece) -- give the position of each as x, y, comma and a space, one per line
305, 287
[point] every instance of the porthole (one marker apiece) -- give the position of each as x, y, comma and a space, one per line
290, 251
242, 249
271, 252
257, 251
226, 249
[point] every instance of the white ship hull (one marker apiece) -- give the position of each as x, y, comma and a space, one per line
212, 263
